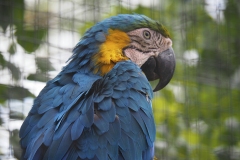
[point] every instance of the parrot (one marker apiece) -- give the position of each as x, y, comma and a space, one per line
99, 106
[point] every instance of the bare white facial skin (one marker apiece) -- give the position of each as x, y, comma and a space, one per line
144, 44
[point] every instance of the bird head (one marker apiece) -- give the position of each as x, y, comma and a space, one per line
128, 37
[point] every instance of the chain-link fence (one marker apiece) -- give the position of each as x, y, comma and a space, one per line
197, 115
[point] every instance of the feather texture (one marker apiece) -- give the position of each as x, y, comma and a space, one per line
84, 114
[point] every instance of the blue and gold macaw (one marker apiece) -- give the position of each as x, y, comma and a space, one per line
99, 106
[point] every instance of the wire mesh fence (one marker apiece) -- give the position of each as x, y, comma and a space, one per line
197, 115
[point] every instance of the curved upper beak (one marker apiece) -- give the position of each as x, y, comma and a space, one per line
161, 67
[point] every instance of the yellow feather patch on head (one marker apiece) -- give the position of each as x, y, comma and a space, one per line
111, 51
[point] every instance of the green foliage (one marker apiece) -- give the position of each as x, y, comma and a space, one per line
30, 40
13, 92
11, 13
2, 61
16, 73
12, 49
44, 64
14, 140
28, 35
38, 76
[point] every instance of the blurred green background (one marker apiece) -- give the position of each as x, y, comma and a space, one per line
197, 114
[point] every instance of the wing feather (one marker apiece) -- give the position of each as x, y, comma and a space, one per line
83, 116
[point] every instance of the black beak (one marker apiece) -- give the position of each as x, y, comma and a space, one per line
161, 67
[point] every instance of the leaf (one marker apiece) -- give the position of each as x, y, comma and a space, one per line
16, 73
44, 64
14, 140
18, 9
13, 92
12, 49
1, 121
2, 60
39, 76
5, 14
11, 12
30, 40
16, 115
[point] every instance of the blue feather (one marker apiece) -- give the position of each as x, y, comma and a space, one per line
133, 104
124, 143
87, 144
100, 36
83, 115
87, 41
60, 116
57, 101
112, 151
125, 118
84, 62
85, 81
117, 94
87, 119
50, 93
64, 79
99, 98
108, 115
140, 121
122, 102
101, 125
105, 104
60, 130
73, 115
76, 129
49, 115
114, 133
121, 86
33, 147
48, 136
149, 125
25, 128
34, 119
102, 154
107, 91
61, 146
126, 93
71, 154
47, 105
85, 104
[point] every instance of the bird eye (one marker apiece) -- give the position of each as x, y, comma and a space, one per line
146, 34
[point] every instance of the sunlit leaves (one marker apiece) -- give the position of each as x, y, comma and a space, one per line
2, 61
12, 49
30, 40
16, 73
13, 92
11, 12
5, 12
18, 9
14, 140
39, 76
44, 64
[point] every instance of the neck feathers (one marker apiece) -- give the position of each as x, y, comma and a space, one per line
110, 51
